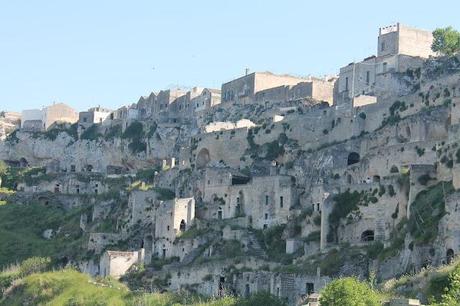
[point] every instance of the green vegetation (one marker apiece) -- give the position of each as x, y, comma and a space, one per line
135, 133
397, 237
165, 194
395, 109
91, 133
69, 287
427, 210
53, 132
349, 291
21, 232
345, 203
113, 132
272, 241
446, 41
134, 130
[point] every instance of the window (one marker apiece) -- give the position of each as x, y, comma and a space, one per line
368, 77
281, 202
266, 216
346, 83
167, 228
317, 206
310, 288
384, 67
382, 46
266, 199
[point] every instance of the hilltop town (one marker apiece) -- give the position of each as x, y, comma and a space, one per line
272, 183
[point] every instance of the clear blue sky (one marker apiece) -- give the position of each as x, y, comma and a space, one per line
109, 53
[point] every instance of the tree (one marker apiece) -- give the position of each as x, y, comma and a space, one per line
446, 41
349, 291
452, 292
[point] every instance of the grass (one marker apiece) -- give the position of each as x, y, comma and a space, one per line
21, 231
69, 287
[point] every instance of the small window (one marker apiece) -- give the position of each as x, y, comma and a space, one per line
266, 216
281, 202
368, 77
266, 199
346, 83
382, 46
167, 227
317, 206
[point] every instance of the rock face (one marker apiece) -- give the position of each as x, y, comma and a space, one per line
300, 193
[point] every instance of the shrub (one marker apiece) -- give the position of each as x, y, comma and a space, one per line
260, 299
349, 291
420, 151
91, 133
34, 265
134, 130
374, 249
446, 41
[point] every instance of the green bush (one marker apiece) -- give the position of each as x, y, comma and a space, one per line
349, 291
446, 41
91, 133
261, 299
34, 265
134, 131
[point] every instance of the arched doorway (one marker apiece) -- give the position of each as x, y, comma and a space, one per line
182, 225
353, 158
202, 158
450, 256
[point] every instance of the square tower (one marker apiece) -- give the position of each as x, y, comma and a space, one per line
400, 39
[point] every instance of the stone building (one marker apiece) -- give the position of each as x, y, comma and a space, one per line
93, 115
243, 90
208, 98
59, 112
313, 88
264, 200
399, 48
117, 263
171, 219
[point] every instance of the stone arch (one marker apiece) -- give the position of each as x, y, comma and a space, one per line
367, 236
203, 158
353, 158
449, 256
23, 163
183, 225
